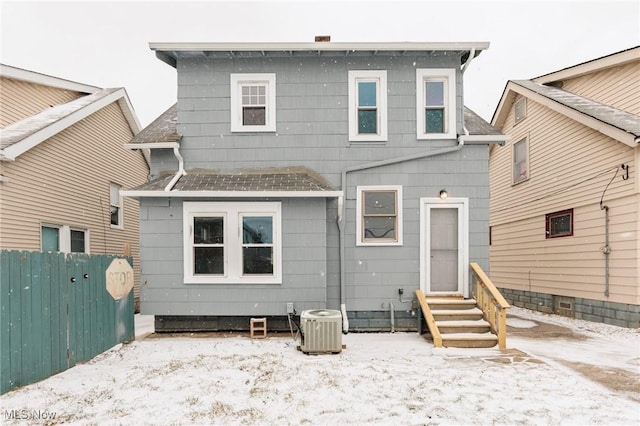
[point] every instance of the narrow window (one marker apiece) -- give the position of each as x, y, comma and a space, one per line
78, 241
115, 206
520, 109
367, 106
253, 102
50, 238
208, 245
379, 211
559, 224
257, 245
520, 161
435, 103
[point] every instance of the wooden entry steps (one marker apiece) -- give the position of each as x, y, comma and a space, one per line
455, 322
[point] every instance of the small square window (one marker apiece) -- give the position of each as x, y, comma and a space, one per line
520, 109
559, 224
520, 161
253, 102
50, 238
367, 105
379, 211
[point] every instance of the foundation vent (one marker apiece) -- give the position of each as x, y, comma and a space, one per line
564, 306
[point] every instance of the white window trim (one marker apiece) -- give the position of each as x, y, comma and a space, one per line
239, 80
120, 224
380, 77
449, 76
513, 162
523, 102
359, 218
64, 237
232, 212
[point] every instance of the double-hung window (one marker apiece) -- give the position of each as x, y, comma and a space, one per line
520, 161
368, 105
64, 239
115, 206
232, 242
379, 215
253, 102
436, 103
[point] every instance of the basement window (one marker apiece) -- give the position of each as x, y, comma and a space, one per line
559, 224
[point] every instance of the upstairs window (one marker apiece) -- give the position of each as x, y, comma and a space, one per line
520, 161
379, 211
368, 105
253, 102
435, 103
559, 224
520, 110
115, 206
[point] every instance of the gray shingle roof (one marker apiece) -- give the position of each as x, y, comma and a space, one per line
615, 117
162, 129
260, 180
476, 125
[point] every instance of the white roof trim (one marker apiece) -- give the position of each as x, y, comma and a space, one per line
19, 148
580, 117
4, 179
319, 46
232, 194
45, 80
485, 139
602, 63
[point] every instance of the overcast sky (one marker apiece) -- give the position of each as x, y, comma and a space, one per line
106, 44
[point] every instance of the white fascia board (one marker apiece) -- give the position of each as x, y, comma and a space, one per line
485, 139
597, 125
129, 113
599, 64
232, 194
317, 46
51, 130
45, 80
152, 145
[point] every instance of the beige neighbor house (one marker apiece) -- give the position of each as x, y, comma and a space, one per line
565, 191
62, 165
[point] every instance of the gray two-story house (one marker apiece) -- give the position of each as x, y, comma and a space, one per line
312, 175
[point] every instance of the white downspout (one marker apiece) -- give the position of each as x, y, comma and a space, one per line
180, 172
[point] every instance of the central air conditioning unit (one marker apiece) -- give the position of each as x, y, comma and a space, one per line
321, 331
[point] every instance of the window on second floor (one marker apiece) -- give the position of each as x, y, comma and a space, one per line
520, 160
436, 103
368, 105
116, 212
253, 102
520, 110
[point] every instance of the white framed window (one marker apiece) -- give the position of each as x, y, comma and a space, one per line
232, 242
379, 215
520, 160
367, 105
436, 103
253, 102
64, 239
520, 109
116, 212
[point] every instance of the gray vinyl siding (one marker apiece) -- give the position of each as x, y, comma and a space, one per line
303, 265
311, 131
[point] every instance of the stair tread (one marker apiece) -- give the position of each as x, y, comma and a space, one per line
449, 301
463, 323
469, 336
456, 311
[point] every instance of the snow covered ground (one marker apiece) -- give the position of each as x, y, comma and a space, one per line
548, 378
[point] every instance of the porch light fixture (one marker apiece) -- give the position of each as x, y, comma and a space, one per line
443, 194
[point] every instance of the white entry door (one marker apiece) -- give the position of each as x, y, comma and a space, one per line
444, 255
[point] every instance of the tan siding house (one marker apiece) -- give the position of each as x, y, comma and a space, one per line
565, 191
62, 161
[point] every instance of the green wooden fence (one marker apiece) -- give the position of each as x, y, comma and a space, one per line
55, 311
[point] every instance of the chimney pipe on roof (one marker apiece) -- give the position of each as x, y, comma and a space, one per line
323, 39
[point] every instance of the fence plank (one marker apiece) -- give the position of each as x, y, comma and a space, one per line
47, 316
5, 323
15, 323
